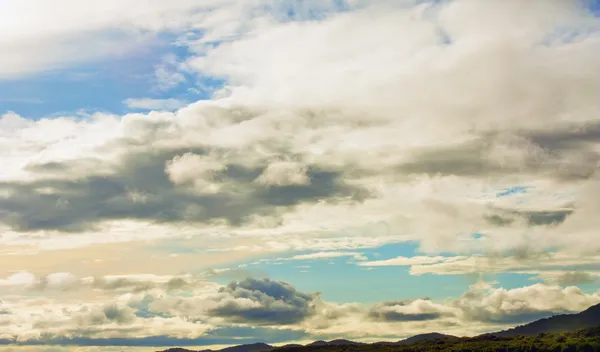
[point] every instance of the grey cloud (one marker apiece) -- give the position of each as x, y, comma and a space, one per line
387, 311
505, 217
78, 204
572, 137
234, 274
565, 156
398, 317
278, 302
126, 284
87, 317
218, 336
573, 278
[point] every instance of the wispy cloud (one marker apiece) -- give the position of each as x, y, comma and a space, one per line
154, 104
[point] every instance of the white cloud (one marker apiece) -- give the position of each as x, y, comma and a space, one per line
284, 173
41, 35
408, 261
154, 104
195, 169
326, 255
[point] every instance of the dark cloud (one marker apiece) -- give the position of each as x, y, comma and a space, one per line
505, 217
218, 336
574, 278
388, 311
575, 137
109, 313
123, 284
398, 317
76, 204
566, 156
272, 302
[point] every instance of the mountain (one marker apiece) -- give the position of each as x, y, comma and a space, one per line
338, 342
318, 343
423, 337
255, 347
589, 318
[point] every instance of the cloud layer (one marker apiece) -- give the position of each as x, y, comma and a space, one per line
331, 130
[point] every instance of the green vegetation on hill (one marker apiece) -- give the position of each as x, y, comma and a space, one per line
585, 340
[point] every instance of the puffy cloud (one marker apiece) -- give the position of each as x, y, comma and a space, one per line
109, 283
284, 173
414, 310
207, 311
263, 301
569, 278
487, 304
294, 145
154, 104
250, 301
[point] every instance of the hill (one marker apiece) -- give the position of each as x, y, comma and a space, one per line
255, 347
424, 337
589, 318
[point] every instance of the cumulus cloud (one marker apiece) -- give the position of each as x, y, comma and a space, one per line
487, 304
280, 156
284, 173
569, 278
202, 315
250, 301
414, 310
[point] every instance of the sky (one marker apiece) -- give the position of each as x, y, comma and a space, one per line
216, 172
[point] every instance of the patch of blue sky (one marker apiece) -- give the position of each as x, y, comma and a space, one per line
296, 11
513, 191
566, 34
510, 281
593, 6
342, 280
102, 86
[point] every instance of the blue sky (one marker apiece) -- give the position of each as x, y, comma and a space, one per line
190, 173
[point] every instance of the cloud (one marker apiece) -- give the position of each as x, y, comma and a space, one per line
263, 301
67, 33
284, 173
330, 133
325, 255
154, 104
526, 264
60, 282
206, 314
521, 304
403, 311
292, 148
409, 261
569, 278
